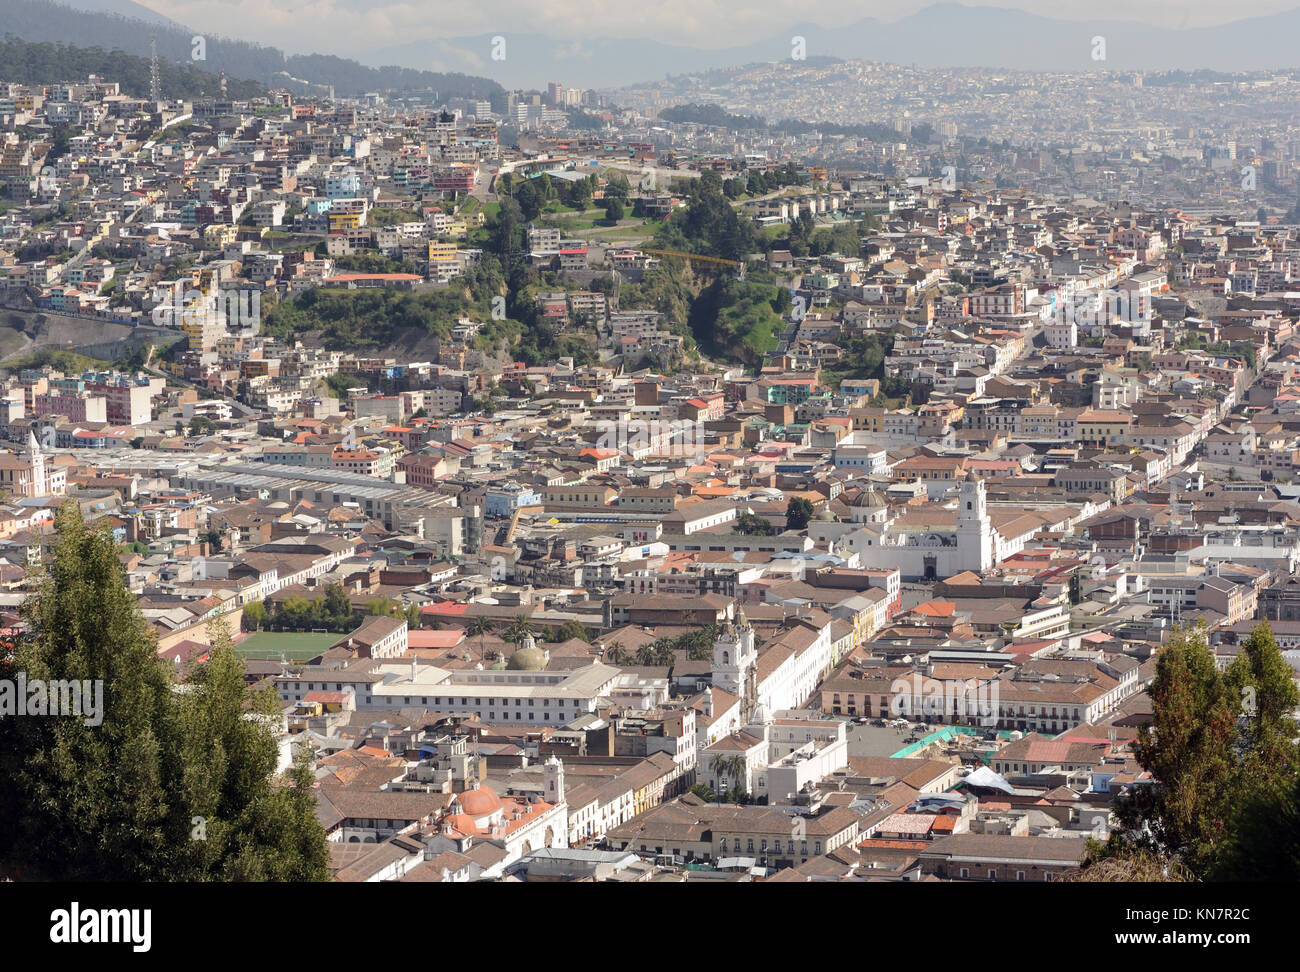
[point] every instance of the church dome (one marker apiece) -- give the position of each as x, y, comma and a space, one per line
527, 660
462, 823
868, 499
481, 802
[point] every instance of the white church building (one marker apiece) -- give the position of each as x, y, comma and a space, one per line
926, 543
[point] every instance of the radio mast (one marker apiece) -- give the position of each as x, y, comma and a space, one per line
155, 84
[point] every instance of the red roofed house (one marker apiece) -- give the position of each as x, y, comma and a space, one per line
705, 408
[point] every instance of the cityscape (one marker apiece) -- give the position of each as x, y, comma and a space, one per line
817, 469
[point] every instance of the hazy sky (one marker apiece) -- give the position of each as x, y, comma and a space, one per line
338, 26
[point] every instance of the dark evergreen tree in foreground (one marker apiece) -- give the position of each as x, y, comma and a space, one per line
1225, 800
177, 783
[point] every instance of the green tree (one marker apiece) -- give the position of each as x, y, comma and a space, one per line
710, 224
296, 613
797, 513
480, 628
664, 651
720, 766
616, 654
1189, 749
1226, 802
88, 802
1265, 842
530, 200
703, 792
255, 616
699, 643
580, 194
381, 607
613, 210
616, 185
738, 796
280, 839
751, 524
730, 768
335, 605
168, 786
519, 630
570, 630
1262, 682
251, 827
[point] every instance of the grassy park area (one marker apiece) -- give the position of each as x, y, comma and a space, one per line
294, 645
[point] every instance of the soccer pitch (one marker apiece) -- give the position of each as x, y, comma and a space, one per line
294, 645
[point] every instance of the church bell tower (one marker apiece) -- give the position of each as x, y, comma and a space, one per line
735, 658
974, 529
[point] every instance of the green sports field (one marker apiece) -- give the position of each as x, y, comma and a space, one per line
293, 645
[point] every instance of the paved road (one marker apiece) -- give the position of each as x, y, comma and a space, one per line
485, 183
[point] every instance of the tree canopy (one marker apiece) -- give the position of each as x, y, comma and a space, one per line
1224, 764
169, 785
797, 513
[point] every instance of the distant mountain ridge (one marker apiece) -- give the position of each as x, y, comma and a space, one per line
124, 8
40, 62
44, 20
941, 35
